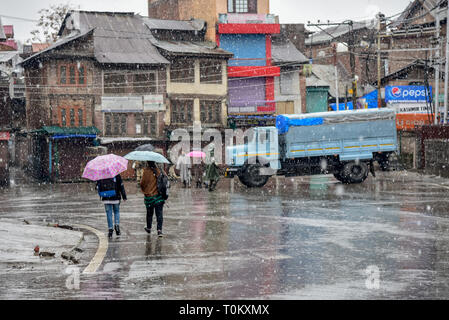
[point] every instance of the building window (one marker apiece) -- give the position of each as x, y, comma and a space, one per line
182, 71
145, 83
152, 123
62, 75
211, 72
71, 116
63, 122
147, 123
115, 124
81, 75
72, 75
81, 117
242, 6
210, 111
108, 124
114, 83
182, 112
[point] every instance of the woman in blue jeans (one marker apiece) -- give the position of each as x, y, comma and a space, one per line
112, 202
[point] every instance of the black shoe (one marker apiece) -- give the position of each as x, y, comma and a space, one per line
160, 234
117, 230
111, 232
148, 230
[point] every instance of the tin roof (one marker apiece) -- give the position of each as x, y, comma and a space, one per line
57, 44
187, 47
183, 25
329, 34
70, 131
430, 6
119, 37
284, 51
324, 76
6, 56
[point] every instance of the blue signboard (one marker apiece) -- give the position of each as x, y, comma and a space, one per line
407, 94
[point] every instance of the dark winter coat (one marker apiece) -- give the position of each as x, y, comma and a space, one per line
119, 190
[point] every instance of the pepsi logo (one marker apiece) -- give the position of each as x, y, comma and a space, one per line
396, 92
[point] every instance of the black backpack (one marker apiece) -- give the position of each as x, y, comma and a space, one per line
106, 188
163, 185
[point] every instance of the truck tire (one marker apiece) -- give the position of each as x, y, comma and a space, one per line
354, 172
339, 177
251, 177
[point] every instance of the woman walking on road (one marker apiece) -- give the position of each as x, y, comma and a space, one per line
154, 202
111, 192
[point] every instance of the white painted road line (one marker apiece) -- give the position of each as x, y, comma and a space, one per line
103, 245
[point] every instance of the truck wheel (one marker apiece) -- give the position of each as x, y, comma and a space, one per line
355, 172
252, 178
339, 177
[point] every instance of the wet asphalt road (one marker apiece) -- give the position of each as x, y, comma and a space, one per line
300, 238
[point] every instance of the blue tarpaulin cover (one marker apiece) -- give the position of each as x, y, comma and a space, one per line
283, 123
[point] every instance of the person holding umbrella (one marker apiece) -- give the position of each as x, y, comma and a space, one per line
154, 185
105, 171
154, 202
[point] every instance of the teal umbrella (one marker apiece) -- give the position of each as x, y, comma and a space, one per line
146, 156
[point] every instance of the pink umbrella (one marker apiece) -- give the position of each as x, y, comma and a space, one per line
105, 167
196, 154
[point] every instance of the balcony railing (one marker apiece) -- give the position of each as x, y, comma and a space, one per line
246, 18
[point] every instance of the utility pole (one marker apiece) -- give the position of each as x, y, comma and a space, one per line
352, 63
446, 78
351, 47
379, 70
437, 71
336, 75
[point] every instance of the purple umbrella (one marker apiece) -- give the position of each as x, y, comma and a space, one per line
105, 167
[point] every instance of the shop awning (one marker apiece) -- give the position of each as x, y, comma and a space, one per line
64, 133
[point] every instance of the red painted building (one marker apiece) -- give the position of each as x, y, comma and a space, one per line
251, 72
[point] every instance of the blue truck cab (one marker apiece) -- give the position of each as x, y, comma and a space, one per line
344, 143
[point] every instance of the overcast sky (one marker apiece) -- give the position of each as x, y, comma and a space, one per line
289, 11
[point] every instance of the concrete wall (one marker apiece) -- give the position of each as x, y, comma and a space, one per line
294, 95
196, 89
207, 10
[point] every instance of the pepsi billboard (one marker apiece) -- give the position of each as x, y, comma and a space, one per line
407, 94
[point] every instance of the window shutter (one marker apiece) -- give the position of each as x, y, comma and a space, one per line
252, 6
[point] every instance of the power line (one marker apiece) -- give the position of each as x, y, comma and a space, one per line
18, 18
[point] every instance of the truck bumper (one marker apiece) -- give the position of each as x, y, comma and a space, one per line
231, 172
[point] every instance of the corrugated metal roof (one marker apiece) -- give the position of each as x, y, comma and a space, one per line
70, 130
185, 25
57, 44
331, 33
324, 75
120, 38
184, 47
2, 33
285, 52
5, 56
428, 5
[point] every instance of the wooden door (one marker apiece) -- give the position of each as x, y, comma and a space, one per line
285, 107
